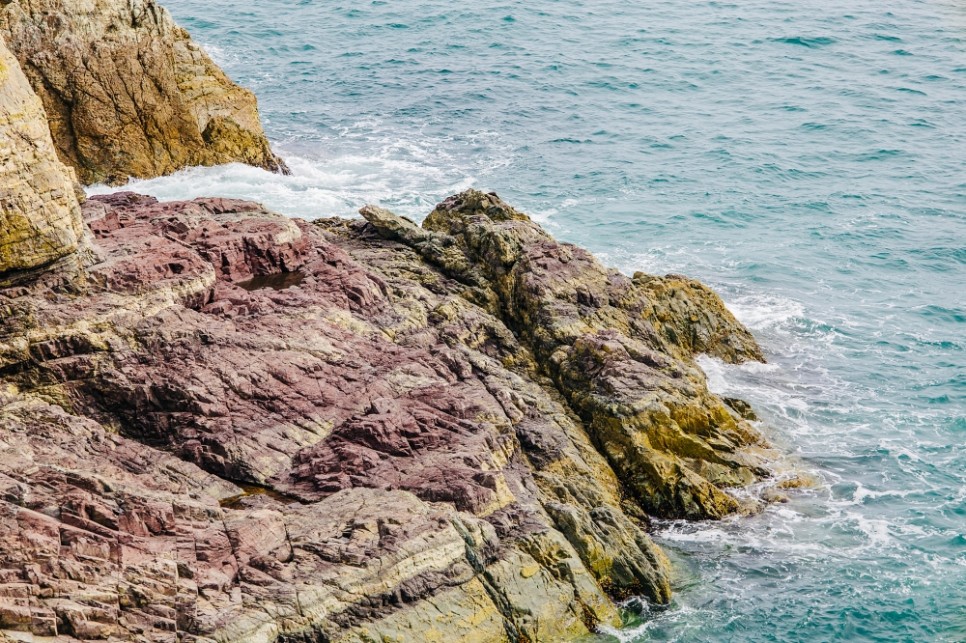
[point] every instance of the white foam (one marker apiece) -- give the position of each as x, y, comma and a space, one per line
726, 379
764, 311
363, 162
686, 616
876, 531
656, 260
544, 216
715, 371
317, 187
218, 54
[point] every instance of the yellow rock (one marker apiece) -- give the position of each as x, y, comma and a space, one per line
40, 219
127, 91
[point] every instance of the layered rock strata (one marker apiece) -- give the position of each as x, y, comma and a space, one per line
235, 426
127, 91
40, 219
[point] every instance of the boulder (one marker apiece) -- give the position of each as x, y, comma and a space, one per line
128, 92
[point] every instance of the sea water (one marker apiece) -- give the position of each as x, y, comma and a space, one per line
807, 159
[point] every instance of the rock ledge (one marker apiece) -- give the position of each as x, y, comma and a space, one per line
235, 426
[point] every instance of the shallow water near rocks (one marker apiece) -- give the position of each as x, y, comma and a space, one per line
806, 159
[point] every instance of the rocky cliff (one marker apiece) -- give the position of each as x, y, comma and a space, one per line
221, 424
128, 93
40, 219
234, 426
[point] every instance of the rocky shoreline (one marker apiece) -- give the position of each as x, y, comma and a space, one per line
218, 423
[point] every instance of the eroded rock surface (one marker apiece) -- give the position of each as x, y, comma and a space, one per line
40, 219
127, 91
618, 349
235, 426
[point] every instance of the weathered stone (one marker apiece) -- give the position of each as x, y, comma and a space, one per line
128, 93
619, 350
236, 426
40, 219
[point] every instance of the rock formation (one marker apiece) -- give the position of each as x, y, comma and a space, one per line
40, 219
221, 424
127, 91
234, 426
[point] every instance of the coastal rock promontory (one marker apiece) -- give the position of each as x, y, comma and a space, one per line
128, 93
40, 219
236, 426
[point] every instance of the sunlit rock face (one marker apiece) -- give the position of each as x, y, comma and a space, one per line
40, 219
127, 91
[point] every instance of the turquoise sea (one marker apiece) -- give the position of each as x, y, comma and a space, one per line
807, 159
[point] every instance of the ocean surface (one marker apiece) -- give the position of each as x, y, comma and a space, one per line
807, 159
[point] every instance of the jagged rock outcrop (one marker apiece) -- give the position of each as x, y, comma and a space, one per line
235, 426
127, 91
620, 350
40, 219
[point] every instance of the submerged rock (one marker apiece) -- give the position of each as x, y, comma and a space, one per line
236, 426
40, 219
128, 93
